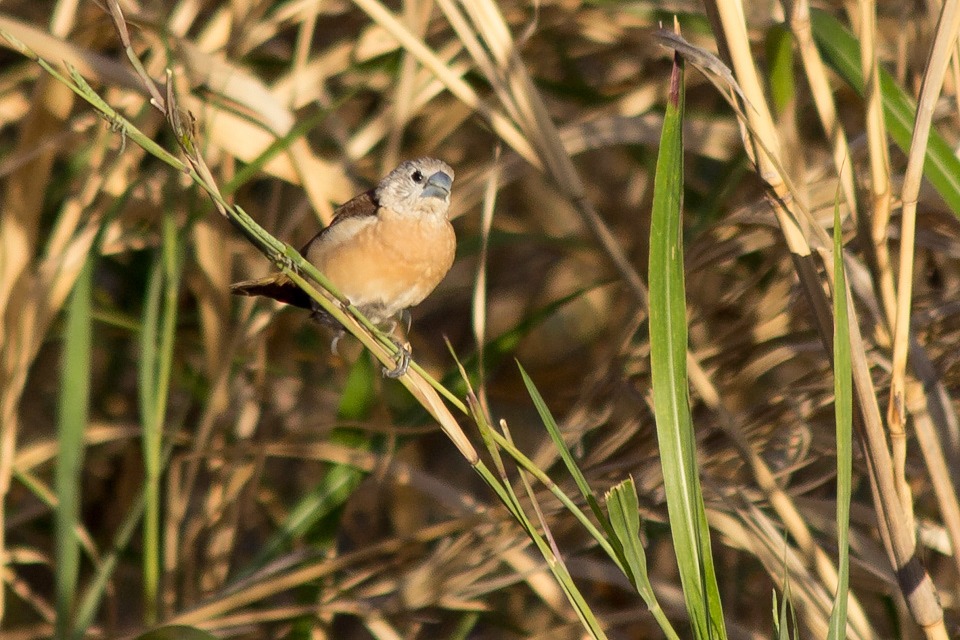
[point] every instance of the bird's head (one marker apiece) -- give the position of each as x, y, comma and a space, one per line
420, 186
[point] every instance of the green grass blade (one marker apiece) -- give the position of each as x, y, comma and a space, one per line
844, 418
554, 430
71, 424
156, 364
668, 342
842, 53
783, 83
624, 510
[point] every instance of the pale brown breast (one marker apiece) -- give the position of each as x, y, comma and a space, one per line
386, 263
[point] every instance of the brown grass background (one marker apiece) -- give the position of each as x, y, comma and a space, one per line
259, 411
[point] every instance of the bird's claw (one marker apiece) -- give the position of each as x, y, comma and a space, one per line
403, 361
336, 342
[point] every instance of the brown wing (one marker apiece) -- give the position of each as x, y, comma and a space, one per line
360, 206
278, 286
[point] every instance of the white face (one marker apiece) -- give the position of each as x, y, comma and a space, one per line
417, 186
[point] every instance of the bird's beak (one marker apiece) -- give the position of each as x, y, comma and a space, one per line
438, 186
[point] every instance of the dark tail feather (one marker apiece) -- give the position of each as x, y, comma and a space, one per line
277, 287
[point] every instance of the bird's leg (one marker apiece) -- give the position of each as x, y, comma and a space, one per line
320, 315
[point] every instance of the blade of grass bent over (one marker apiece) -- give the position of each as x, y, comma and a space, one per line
668, 342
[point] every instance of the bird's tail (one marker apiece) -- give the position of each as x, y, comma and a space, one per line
276, 286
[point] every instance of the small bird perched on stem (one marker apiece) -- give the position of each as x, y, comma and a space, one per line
385, 250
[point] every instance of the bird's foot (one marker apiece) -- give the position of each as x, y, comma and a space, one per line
403, 360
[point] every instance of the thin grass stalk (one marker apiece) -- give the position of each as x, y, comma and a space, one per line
479, 306
798, 12
668, 354
900, 543
764, 538
496, 442
72, 423
33, 318
544, 531
880, 189
938, 59
556, 436
19, 228
782, 622
530, 467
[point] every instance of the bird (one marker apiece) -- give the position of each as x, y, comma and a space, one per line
385, 250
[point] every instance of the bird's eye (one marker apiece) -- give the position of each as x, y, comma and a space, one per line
417, 176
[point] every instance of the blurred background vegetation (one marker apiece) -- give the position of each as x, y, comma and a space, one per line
222, 469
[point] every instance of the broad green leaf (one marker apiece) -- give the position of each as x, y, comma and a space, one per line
668, 343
